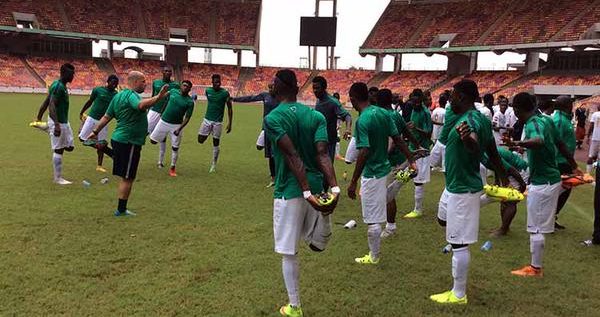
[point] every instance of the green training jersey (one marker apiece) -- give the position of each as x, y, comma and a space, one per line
216, 104
132, 124
305, 127
509, 159
450, 119
565, 133
421, 120
462, 166
395, 156
102, 98
156, 87
372, 130
542, 160
178, 107
58, 92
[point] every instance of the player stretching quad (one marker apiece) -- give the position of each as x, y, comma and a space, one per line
299, 138
176, 116
545, 182
372, 131
99, 100
129, 109
421, 127
468, 138
156, 111
61, 135
213, 119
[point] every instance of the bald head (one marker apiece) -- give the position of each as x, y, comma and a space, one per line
136, 81
564, 103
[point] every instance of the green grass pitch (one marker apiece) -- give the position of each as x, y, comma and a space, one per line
202, 244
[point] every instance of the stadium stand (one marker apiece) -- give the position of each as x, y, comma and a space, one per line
13, 73
237, 22
263, 76
487, 81
340, 82
47, 13
116, 18
87, 73
558, 80
485, 22
403, 83
588, 102
200, 75
159, 16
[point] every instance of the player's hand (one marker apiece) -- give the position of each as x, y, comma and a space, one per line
57, 130
176, 132
92, 136
410, 125
164, 91
504, 182
413, 166
352, 190
228, 130
81, 117
463, 130
522, 187
347, 135
577, 172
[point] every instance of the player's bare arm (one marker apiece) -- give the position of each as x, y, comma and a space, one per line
325, 166
229, 115
358, 169
86, 106
43, 108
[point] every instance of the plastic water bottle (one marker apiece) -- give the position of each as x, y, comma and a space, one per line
104, 180
86, 183
486, 246
447, 249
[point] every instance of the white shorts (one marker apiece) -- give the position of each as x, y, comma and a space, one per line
443, 206
483, 172
295, 219
211, 127
373, 199
462, 224
260, 141
594, 148
437, 156
153, 118
424, 170
164, 129
65, 140
87, 128
541, 207
351, 152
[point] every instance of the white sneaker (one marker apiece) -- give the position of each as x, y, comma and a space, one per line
386, 233
62, 181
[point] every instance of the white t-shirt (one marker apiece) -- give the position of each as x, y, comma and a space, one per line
437, 115
484, 110
595, 120
499, 120
511, 119
496, 108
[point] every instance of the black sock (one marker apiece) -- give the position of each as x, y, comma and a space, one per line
122, 205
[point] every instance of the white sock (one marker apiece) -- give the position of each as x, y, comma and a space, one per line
374, 238
161, 152
215, 155
588, 168
291, 276
419, 196
57, 163
174, 156
460, 269
390, 226
537, 242
337, 148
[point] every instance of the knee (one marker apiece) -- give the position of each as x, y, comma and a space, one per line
201, 139
152, 141
70, 149
216, 142
175, 149
259, 148
458, 246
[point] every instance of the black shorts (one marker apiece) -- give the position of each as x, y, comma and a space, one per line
126, 159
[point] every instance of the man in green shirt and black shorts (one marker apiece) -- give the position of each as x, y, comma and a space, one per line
129, 109
217, 98
299, 138
99, 100
469, 136
373, 129
61, 135
156, 111
175, 117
